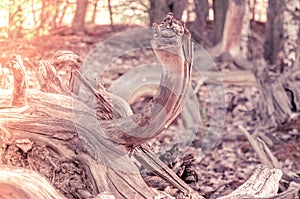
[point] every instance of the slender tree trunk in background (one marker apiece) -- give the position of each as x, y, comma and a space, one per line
282, 33
201, 9
160, 8
220, 9
111, 16
95, 6
274, 31
79, 18
236, 29
253, 10
198, 27
291, 24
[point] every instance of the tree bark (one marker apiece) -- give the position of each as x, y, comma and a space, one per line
245, 32
95, 10
111, 16
199, 26
177, 7
282, 33
79, 17
220, 9
291, 28
274, 31
236, 31
280, 90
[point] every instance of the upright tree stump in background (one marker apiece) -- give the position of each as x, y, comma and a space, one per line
282, 33
220, 9
235, 32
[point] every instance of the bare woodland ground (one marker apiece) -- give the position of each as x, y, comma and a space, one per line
226, 167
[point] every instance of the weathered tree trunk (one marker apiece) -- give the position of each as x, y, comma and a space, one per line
79, 17
111, 18
291, 28
199, 25
220, 9
245, 32
280, 96
280, 90
236, 30
201, 9
282, 33
274, 31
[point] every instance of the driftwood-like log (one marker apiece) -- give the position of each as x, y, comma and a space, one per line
263, 183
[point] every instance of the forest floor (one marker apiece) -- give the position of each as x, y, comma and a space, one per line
227, 165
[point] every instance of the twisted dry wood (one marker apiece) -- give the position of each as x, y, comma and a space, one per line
174, 50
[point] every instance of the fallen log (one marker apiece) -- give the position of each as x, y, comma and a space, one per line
85, 153
49, 121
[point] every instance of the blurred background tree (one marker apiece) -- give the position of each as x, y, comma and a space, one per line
79, 17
